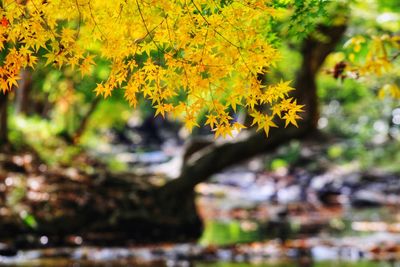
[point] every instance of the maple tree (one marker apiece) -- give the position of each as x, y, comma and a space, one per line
377, 59
381, 54
188, 57
371, 52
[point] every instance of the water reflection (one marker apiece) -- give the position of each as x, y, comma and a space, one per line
305, 263
297, 253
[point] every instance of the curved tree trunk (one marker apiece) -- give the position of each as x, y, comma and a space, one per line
217, 157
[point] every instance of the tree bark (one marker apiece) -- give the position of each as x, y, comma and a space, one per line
217, 157
314, 54
22, 93
85, 120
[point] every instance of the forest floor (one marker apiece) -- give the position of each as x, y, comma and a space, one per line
300, 207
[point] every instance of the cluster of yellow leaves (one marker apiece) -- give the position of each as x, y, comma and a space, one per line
391, 90
378, 59
382, 52
188, 57
30, 28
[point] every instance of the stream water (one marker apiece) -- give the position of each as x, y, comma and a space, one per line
71, 263
243, 243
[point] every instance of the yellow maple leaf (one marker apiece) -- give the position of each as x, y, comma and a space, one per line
211, 120
291, 117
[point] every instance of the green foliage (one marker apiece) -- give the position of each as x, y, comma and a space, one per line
29, 220
303, 17
285, 157
224, 233
42, 135
16, 195
335, 151
388, 5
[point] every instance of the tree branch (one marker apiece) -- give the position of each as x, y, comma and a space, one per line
217, 157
